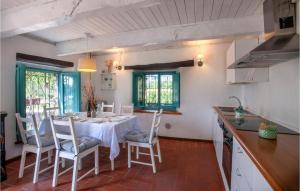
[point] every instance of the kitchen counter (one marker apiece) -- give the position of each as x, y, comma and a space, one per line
277, 160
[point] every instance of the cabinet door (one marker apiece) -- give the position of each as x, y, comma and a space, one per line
244, 46
248, 75
244, 173
259, 182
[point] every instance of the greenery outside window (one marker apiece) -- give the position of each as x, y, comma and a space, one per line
155, 90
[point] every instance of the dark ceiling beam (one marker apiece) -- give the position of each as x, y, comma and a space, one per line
162, 66
43, 61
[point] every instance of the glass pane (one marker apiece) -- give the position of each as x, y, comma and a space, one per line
68, 93
140, 89
151, 90
166, 89
41, 90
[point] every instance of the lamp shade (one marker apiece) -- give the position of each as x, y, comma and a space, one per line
87, 64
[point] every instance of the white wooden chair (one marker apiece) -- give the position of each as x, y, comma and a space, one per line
146, 140
50, 111
107, 109
73, 148
34, 143
126, 110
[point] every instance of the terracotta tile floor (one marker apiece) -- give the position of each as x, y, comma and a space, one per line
187, 165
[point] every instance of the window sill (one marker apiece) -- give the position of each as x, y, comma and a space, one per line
152, 111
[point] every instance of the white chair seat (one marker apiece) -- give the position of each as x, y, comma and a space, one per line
84, 143
45, 140
138, 136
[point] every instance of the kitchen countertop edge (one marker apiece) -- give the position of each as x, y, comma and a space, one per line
273, 183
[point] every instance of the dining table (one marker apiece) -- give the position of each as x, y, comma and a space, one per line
109, 128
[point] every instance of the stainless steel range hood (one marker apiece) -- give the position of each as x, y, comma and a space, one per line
279, 20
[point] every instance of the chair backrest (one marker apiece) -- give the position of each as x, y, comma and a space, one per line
24, 133
50, 111
155, 125
105, 107
60, 137
126, 109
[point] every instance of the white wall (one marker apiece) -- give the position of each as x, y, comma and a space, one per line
278, 99
9, 48
201, 88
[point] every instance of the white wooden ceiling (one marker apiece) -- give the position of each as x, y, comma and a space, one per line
7, 4
161, 14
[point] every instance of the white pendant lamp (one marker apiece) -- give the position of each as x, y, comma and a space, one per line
87, 64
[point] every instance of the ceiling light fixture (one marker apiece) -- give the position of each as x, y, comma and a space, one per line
87, 64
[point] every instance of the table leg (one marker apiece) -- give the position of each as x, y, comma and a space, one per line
112, 163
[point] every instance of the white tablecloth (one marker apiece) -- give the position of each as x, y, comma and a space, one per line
109, 133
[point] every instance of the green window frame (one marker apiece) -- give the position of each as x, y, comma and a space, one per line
156, 90
64, 90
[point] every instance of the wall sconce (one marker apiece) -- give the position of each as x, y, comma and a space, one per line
117, 65
200, 60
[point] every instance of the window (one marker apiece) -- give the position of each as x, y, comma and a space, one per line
41, 90
154, 90
36, 88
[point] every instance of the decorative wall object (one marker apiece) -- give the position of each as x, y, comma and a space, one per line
108, 81
109, 65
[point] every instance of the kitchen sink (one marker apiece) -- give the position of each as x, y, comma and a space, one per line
226, 109
230, 111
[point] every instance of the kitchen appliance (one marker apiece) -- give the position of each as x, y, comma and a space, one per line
227, 152
253, 123
280, 24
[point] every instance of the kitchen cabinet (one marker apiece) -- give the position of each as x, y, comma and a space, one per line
244, 175
237, 49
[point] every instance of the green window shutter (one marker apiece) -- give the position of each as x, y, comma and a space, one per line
70, 91
20, 94
138, 85
176, 90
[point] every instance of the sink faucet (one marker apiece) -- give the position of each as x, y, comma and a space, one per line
236, 98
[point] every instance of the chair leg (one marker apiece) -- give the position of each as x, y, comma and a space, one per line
112, 165
129, 155
56, 167
97, 161
37, 166
22, 164
137, 152
80, 164
74, 177
49, 156
152, 159
158, 152
63, 162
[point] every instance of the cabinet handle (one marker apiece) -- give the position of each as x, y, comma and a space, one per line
237, 172
239, 150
